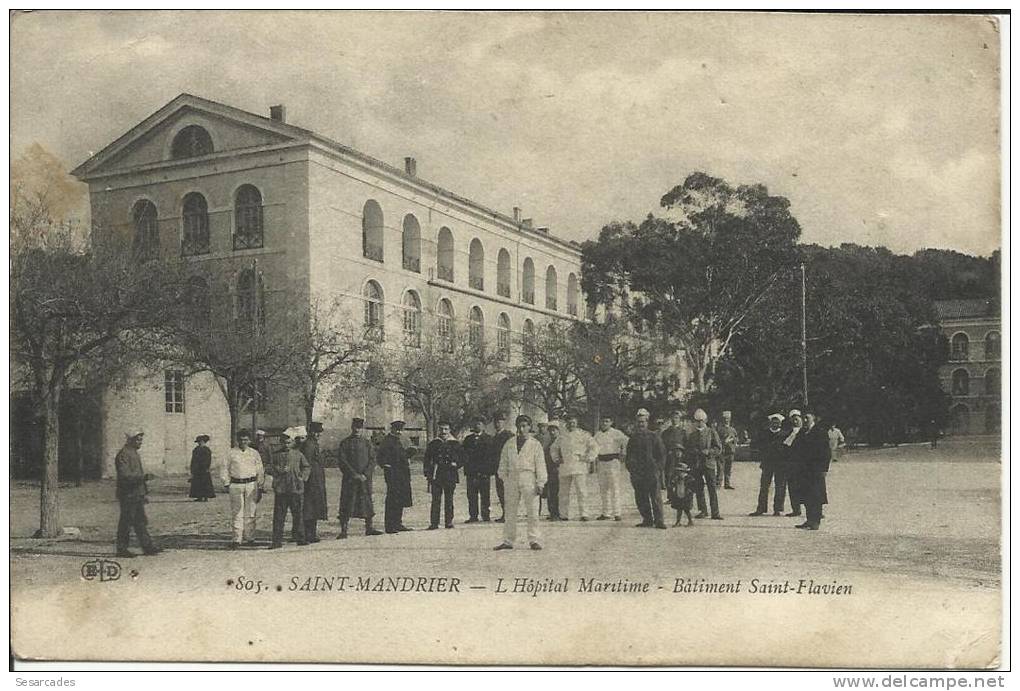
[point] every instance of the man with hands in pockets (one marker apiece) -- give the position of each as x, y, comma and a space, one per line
522, 467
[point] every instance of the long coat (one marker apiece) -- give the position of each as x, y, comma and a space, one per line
201, 475
478, 454
315, 486
816, 456
646, 457
396, 470
357, 457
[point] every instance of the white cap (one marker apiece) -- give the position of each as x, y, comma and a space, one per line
260, 431
795, 412
700, 414
777, 417
299, 431
642, 413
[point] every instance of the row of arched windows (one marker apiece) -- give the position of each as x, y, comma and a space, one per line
412, 321
961, 382
373, 247
960, 346
248, 223
249, 300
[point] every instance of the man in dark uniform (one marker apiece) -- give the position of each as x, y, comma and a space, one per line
701, 449
792, 459
357, 463
552, 485
766, 449
728, 438
499, 439
393, 459
443, 456
815, 457
315, 487
131, 491
645, 460
477, 453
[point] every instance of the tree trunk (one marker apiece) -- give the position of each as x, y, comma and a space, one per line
79, 448
232, 408
309, 405
49, 504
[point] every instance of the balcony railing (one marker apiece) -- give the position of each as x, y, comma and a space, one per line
529, 297
193, 246
248, 241
445, 273
374, 252
503, 289
550, 303
413, 264
477, 282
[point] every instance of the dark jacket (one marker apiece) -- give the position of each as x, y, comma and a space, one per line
290, 470
392, 458
314, 506
442, 459
477, 450
767, 448
673, 439
499, 440
646, 456
701, 446
357, 457
130, 475
816, 451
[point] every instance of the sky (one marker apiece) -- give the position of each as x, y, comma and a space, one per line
879, 129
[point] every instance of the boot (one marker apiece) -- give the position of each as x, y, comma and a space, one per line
368, 528
343, 531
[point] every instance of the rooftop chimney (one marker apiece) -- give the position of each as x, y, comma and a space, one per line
410, 166
517, 214
278, 113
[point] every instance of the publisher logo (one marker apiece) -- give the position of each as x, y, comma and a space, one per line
100, 570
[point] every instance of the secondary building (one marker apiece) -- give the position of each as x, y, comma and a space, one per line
973, 375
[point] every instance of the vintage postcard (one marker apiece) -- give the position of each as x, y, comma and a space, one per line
488, 338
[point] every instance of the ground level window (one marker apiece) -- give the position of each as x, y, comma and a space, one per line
173, 385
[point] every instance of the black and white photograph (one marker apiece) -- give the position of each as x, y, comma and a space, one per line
533, 338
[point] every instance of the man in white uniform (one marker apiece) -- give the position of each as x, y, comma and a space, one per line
522, 467
244, 477
574, 452
612, 446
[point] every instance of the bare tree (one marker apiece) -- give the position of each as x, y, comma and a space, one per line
547, 373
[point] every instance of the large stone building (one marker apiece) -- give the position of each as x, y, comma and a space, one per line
973, 375
255, 204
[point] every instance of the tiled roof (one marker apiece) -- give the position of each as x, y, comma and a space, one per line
963, 309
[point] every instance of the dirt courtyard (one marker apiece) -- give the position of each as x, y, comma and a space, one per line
914, 532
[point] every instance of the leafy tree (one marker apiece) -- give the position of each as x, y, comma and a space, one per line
547, 374
76, 306
698, 272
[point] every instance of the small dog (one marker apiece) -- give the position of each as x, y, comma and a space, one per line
682, 488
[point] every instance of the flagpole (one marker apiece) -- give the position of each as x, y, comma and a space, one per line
255, 327
803, 330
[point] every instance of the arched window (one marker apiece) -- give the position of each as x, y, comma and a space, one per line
960, 348
993, 382
146, 242
372, 231
411, 243
476, 327
960, 419
550, 288
412, 319
444, 324
444, 263
961, 382
528, 281
247, 218
528, 336
196, 225
993, 418
476, 265
373, 295
503, 273
503, 337
190, 142
196, 300
993, 345
573, 295
251, 300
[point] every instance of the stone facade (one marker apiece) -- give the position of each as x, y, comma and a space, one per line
332, 223
973, 375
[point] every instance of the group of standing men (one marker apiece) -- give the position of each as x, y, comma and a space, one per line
794, 455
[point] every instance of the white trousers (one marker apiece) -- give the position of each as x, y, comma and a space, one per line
609, 486
567, 483
514, 495
242, 508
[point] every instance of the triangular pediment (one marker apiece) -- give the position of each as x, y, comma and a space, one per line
151, 141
